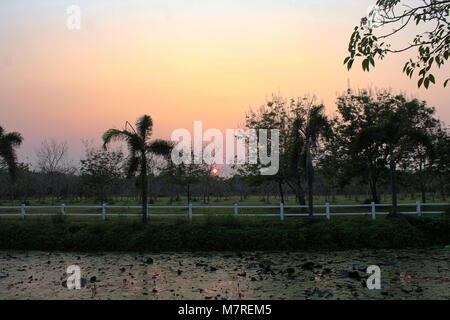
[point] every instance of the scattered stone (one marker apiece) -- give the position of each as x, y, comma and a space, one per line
349, 286
325, 294
407, 289
359, 268
308, 265
290, 270
265, 264
354, 275
311, 292
343, 274
251, 266
149, 260
201, 264
326, 270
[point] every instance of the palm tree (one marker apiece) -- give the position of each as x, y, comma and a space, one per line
312, 124
8, 143
140, 148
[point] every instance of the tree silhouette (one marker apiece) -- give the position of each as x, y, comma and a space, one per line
139, 148
8, 143
370, 40
311, 124
401, 128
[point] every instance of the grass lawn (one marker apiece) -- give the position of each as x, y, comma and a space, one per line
251, 201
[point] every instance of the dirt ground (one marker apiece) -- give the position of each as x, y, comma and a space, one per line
405, 274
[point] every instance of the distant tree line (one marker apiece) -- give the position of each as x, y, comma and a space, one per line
377, 143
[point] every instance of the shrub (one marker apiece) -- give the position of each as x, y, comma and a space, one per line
223, 234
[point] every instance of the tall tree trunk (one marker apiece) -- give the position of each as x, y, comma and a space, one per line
280, 188
393, 169
189, 193
422, 182
144, 181
309, 175
373, 189
300, 193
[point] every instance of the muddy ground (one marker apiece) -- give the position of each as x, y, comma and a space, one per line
405, 274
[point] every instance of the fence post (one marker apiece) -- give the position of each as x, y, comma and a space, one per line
23, 210
236, 213
327, 206
282, 211
104, 211
63, 209
190, 211
419, 211
373, 210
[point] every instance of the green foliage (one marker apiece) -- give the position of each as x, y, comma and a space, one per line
140, 149
377, 132
8, 144
186, 175
302, 126
433, 46
224, 234
101, 171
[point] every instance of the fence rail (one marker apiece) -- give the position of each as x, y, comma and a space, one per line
190, 210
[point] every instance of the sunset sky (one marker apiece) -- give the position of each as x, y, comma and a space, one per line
178, 61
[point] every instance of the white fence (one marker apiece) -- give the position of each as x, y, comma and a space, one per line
190, 210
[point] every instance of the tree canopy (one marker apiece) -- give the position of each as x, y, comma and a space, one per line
374, 37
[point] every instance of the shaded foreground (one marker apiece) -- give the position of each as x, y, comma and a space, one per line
405, 274
223, 234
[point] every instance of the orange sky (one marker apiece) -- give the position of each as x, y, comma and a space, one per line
178, 61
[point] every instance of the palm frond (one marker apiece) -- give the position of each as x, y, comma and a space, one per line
160, 147
13, 138
115, 135
8, 142
8, 153
144, 126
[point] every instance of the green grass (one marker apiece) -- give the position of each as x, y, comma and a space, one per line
222, 234
251, 201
